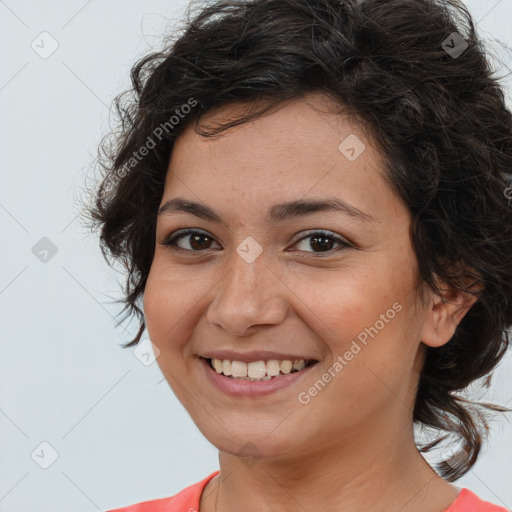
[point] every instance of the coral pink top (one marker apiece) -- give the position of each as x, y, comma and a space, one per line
188, 499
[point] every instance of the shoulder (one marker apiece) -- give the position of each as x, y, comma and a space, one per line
468, 501
186, 500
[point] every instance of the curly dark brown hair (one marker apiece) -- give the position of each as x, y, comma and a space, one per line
416, 75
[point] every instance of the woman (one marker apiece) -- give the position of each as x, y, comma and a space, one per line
312, 200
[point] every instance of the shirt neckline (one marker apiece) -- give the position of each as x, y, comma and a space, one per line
459, 500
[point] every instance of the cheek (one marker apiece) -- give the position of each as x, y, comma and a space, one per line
347, 300
366, 311
166, 301
157, 301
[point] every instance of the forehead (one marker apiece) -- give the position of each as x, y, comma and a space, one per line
296, 150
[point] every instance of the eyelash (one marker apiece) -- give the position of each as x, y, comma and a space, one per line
170, 241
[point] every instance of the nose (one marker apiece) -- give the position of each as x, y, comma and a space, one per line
249, 295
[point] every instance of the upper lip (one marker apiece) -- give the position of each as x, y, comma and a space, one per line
255, 355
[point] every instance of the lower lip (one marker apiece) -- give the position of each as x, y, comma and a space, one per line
248, 388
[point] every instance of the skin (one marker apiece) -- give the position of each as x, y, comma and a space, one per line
352, 446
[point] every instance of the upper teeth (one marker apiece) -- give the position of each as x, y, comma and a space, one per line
256, 369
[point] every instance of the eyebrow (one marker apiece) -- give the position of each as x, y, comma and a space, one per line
277, 213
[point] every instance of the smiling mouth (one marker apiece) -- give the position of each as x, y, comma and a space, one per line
257, 370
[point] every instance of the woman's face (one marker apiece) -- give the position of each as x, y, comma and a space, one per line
258, 283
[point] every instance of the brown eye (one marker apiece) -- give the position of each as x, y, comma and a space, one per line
320, 241
197, 240
323, 241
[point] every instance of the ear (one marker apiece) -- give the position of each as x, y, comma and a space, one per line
445, 312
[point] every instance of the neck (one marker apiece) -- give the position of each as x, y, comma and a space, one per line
387, 474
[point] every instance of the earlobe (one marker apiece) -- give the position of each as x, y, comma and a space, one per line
445, 312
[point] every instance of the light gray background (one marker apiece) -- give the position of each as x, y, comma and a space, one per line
120, 434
